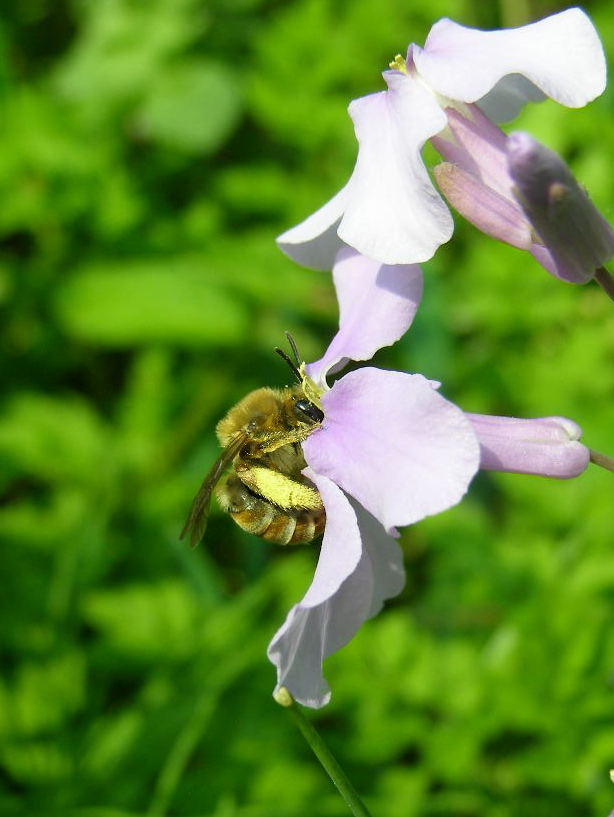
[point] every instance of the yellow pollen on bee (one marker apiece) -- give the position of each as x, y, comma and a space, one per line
278, 488
398, 64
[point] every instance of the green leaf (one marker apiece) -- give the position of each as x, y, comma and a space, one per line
146, 621
43, 696
193, 107
53, 439
144, 301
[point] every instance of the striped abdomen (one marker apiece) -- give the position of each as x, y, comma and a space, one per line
253, 513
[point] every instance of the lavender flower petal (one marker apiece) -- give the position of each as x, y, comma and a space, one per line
478, 146
377, 304
394, 444
389, 210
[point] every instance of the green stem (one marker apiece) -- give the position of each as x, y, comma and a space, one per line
193, 729
605, 281
323, 753
602, 460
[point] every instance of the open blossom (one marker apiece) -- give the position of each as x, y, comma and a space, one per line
391, 451
389, 210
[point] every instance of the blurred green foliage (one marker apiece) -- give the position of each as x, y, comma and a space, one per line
149, 154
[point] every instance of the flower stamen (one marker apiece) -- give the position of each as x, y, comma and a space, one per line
313, 392
398, 64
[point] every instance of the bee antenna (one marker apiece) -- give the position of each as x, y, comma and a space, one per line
290, 363
294, 366
290, 340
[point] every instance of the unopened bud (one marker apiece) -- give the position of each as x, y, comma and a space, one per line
546, 446
577, 236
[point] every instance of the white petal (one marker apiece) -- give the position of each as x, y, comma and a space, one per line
393, 213
377, 303
359, 567
561, 55
314, 242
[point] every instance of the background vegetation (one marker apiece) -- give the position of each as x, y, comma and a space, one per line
149, 154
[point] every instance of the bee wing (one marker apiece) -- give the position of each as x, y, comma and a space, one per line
199, 512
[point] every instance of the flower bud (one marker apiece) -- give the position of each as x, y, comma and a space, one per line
577, 236
546, 446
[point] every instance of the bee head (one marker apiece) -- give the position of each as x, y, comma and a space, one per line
307, 408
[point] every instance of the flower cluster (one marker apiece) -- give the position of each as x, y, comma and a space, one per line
450, 92
392, 449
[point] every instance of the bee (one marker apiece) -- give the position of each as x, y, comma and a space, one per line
264, 491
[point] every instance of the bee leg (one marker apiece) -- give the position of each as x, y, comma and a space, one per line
281, 490
271, 441
252, 513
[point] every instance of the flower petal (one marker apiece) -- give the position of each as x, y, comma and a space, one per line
393, 213
314, 242
561, 55
359, 567
377, 303
545, 446
394, 444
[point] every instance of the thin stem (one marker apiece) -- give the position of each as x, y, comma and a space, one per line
602, 460
324, 755
605, 281
195, 726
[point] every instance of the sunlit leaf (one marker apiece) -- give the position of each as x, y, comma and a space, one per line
193, 107
149, 301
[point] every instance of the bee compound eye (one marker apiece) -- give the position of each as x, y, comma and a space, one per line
309, 409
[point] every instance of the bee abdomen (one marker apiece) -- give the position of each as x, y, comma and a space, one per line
281, 527
253, 513
309, 524
295, 527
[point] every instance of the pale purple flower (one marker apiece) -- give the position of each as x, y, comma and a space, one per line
390, 452
389, 210
522, 193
